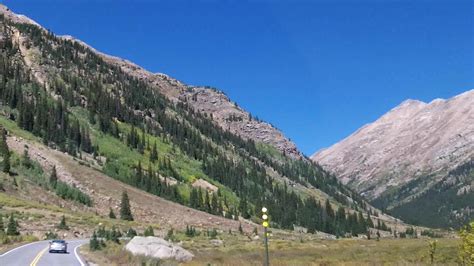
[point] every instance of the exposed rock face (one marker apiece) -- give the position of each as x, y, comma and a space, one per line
159, 248
201, 183
236, 120
412, 140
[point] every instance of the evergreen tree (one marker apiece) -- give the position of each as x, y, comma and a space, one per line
62, 224
94, 243
53, 178
193, 199
12, 227
149, 231
154, 153
215, 205
131, 232
2, 226
370, 223
243, 208
6, 162
112, 214
26, 160
4, 151
125, 211
207, 203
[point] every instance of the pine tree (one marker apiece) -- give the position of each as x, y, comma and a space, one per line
215, 205
240, 229
6, 162
62, 224
112, 214
12, 228
131, 232
149, 231
125, 211
4, 151
26, 160
370, 223
53, 178
193, 199
2, 227
94, 243
154, 153
207, 203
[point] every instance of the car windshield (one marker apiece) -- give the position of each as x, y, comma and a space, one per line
59, 241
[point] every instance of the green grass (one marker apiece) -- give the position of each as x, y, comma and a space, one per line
328, 252
270, 150
14, 129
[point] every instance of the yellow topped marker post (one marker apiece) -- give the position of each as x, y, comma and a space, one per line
265, 233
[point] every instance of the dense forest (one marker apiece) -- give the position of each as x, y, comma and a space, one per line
79, 79
447, 204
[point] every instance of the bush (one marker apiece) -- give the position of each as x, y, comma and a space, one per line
94, 243
12, 227
149, 231
62, 225
170, 235
466, 250
212, 234
66, 191
131, 232
191, 231
50, 235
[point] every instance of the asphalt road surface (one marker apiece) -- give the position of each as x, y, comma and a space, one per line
36, 254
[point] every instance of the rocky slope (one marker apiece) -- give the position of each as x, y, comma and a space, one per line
227, 114
410, 142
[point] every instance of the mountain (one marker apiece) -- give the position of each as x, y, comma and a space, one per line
186, 144
414, 151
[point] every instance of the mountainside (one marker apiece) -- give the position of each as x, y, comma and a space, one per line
190, 145
410, 152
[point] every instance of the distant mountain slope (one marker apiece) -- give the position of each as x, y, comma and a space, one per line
415, 144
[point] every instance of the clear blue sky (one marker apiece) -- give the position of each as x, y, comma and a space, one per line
318, 71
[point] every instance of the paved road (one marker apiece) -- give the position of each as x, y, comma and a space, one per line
36, 254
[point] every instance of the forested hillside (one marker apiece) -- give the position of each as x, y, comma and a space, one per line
69, 96
449, 203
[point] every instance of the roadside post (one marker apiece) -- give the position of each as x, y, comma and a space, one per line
265, 234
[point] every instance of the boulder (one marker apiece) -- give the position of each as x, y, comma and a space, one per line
217, 242
157, 248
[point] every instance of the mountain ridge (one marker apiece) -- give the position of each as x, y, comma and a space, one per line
410, 142
228, 115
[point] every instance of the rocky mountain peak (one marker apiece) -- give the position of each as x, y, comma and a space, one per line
411, 140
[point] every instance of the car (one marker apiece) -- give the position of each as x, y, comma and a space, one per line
58, 246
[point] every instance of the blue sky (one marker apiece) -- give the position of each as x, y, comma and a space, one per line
317, 70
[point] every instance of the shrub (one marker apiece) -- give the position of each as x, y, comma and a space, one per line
149, 231
466, 250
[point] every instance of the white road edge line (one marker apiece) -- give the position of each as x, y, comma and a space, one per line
32, 243
77, 255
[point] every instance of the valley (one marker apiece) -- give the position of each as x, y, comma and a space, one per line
97, 150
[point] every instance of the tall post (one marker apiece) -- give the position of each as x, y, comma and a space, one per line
265, 234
